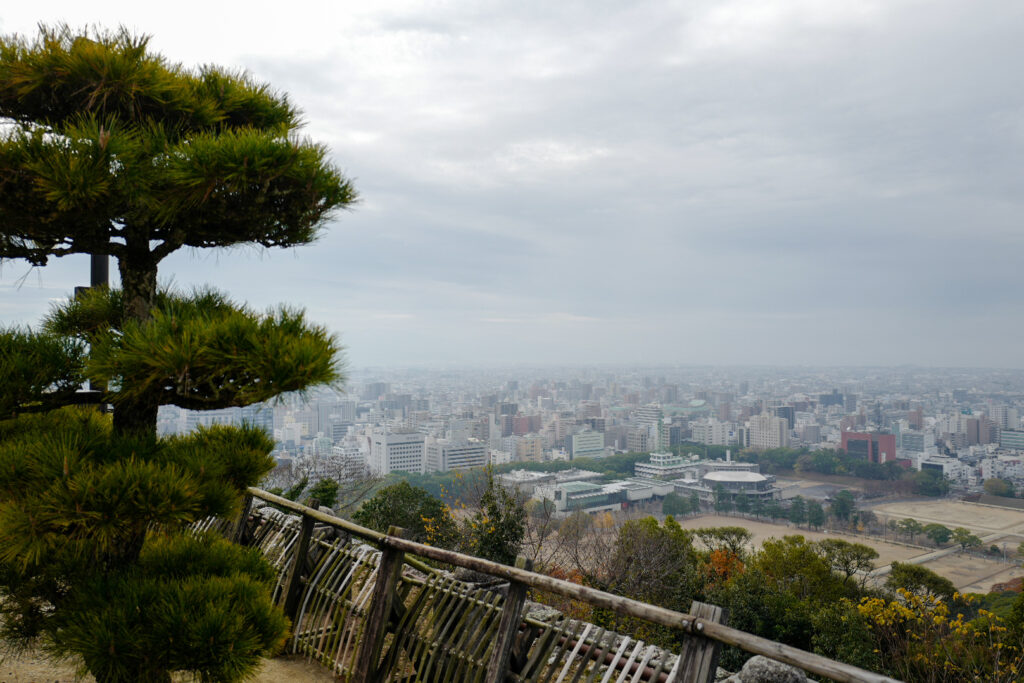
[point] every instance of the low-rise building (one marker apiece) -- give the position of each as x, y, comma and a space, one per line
665, 465
734, 482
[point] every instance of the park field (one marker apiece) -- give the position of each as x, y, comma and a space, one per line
983, 520
761, 531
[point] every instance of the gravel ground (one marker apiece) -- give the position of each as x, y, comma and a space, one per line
31, 669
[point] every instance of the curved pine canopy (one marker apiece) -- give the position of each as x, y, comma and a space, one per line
111, 149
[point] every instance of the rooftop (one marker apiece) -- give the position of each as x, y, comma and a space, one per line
749, 477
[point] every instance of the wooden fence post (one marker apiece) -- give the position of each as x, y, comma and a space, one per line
239, 531
293, 586
511, 616
375, 621
700, 654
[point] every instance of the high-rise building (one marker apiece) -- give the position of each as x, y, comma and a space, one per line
787, 412
1011, 440
374, 390
1005, 417
912, 441
811, 434
768, 431
585, 444
444, 455
393, 452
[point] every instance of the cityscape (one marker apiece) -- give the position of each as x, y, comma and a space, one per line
964, 424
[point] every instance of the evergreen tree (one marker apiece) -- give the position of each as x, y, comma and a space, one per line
109, 149
675, 505
113, 150
798, 510
495, 531
723, 499
815, 514
424, 518
843, 505
743, 503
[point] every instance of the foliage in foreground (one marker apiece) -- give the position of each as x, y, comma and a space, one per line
93, 560
491, 527
809, 594
111, 150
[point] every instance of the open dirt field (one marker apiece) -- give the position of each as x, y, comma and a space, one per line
887, 552
985, 585
980, 519
30, 669
970, 574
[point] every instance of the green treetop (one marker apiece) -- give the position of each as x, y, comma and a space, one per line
111, 149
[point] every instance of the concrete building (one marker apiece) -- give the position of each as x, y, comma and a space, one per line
463, 456
733, 482
665, 466
950, 468
870, 446
713, 432
768, 431
394, 452
810, 434
1011, 440
569, 497
585, 444
912, 441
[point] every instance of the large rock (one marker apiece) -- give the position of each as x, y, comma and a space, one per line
763, 670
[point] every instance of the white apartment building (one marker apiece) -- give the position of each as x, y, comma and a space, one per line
587, 444
768, 431
394, 452
665, 466
713, 432
444, 455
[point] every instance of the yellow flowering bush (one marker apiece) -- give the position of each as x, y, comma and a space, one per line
922, 640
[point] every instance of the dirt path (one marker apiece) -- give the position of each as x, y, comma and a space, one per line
31, 669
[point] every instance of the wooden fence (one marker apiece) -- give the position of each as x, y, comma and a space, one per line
366, 606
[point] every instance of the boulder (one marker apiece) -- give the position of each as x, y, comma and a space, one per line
763, 670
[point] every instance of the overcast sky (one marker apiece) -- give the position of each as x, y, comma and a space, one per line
723, 182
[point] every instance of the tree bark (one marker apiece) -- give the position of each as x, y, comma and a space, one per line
138, 271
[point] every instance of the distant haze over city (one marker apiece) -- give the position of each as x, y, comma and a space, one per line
737, 182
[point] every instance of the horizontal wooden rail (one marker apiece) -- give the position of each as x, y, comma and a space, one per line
808, 661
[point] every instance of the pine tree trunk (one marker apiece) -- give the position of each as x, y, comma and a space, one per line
138, 282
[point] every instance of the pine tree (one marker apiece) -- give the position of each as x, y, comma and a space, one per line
114, 150
110, 149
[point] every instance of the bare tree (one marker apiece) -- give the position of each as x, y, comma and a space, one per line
355, 480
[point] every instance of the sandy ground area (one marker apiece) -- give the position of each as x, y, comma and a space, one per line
887, 552
970, 574
29, 669
980, 519
985, 585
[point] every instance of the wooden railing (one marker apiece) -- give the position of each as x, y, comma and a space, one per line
355, 610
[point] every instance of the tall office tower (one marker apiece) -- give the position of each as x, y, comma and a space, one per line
374, 390
768, 431
649, 418
1005, 417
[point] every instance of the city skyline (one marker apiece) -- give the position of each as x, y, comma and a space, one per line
733, 183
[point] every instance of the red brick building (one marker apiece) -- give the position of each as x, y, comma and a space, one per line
877, 448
